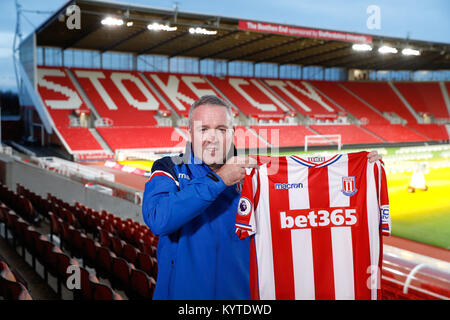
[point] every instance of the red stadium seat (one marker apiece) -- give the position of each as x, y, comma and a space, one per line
11, 220
146, 263
424, 97
148, 248
54, 225
105, 237
12, 290
5, 272
117, 245
86, 291
103, 292
120, 272
78, 239
129, 252
103, 261
31, 239
67, 235
141, 285
20, 228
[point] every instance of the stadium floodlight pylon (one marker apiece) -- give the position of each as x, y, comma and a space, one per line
325, 139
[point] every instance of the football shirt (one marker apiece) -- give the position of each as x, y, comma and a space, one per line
316, 226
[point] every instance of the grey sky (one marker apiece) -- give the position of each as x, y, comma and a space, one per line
422, 20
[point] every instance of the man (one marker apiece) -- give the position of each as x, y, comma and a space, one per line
190, 202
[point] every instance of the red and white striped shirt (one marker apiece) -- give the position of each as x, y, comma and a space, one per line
316, 227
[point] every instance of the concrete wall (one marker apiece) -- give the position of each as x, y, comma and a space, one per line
42, 181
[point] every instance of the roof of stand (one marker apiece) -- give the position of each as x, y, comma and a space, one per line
236, 39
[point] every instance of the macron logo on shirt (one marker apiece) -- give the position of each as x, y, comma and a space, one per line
280, 186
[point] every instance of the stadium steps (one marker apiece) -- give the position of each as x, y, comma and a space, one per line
362, 100
83, 94
259, 137
100, 140
419, 133
222, 95
405, 102
445, 94
182, 133
89, 104
159, 96
333, 101
319, 134
276, 95
372, 134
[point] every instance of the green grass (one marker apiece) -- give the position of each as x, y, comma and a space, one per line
422, 216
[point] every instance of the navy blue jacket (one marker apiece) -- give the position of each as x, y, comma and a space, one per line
193, 212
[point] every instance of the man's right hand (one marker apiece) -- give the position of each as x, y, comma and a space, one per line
233, 171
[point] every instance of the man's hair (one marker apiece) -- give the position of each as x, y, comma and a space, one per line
211, 100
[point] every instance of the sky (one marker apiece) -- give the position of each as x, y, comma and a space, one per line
427, 20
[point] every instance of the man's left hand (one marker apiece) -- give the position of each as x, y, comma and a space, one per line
374, 156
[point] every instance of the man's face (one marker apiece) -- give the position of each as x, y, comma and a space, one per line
211, 134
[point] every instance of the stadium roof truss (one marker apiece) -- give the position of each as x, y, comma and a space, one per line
232, 42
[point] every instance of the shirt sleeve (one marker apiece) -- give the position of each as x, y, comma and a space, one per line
166, 208
245, 216
383, 198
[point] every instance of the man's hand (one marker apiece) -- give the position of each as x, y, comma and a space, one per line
233, 171
374, 156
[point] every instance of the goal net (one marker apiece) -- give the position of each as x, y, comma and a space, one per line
323, 140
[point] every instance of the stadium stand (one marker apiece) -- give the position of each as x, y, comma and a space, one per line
380, 96
334, 91
140, 95
248, 139
180, 90
136, 137
304, 98
396, 133
122, 96
251, 97
350, 133
63, 101
434, 131
284, 136
425, 98
79, 138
